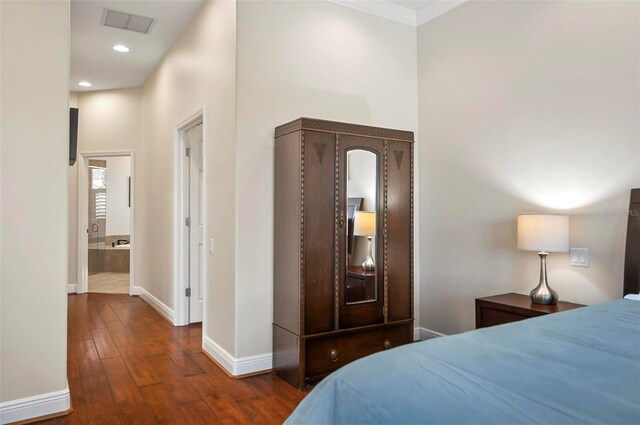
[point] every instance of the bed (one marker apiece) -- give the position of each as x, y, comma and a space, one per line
577, 367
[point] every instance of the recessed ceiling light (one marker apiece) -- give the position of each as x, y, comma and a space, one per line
84, 84
121, 48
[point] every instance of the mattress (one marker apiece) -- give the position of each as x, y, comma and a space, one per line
577, 367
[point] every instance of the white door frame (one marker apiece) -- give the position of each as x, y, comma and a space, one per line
181, 232
83, 218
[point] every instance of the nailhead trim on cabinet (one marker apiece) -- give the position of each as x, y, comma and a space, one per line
302, 297
336, 251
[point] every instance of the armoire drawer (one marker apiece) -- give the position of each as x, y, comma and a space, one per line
326, 354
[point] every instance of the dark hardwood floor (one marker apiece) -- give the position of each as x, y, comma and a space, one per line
127, 365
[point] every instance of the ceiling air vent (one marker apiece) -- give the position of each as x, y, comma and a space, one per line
126, 21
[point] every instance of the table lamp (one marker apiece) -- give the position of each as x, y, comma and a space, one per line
544, 233
365, 225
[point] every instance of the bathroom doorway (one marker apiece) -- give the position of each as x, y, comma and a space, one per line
105, 218
109, 234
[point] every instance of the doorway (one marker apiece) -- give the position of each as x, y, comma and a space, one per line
105, 222
190, 221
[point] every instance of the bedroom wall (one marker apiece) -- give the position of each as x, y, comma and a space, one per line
199, 71
108, 120
524, 106
314, 59
34, 156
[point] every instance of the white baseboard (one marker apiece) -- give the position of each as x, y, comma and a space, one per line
261, 362
422, 334
35, 406
237, 366
155, 303
72, 288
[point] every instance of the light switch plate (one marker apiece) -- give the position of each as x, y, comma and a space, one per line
579, 257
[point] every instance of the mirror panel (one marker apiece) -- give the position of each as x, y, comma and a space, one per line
361, 238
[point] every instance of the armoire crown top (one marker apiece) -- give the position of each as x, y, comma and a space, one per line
343, 128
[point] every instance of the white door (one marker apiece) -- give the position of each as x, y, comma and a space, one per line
194, 145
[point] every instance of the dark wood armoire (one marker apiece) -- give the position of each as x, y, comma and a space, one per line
343, 260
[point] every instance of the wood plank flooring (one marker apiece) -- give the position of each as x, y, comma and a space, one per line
127, 365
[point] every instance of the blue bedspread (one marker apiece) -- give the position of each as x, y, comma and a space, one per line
576, 367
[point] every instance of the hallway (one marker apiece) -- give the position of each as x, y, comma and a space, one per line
127, 365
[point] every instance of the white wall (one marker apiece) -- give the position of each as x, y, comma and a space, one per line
108, 120
34, 158
197, 72
524, 106
314, 59
118, 210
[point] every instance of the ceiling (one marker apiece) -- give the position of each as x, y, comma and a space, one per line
92, 56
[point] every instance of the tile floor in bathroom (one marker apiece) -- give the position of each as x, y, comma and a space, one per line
109, 283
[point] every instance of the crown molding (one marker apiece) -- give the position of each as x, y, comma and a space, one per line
382, 9
436, 9
401, 14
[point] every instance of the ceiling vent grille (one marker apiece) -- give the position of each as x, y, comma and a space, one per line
127, 21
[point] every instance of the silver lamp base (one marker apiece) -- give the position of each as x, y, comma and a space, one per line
369, 263
543, 294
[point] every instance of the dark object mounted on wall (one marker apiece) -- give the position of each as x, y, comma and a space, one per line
632, 254
73, 135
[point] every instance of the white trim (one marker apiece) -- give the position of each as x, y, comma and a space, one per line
82, 271
399, 13
155, 303
72, 288
383, 9
422, 334
416, 334
180, 231
237, 366
35, 406
436, 9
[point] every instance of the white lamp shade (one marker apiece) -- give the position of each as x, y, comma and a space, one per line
543, 232
365, 223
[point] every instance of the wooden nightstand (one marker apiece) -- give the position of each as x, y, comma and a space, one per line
507, 308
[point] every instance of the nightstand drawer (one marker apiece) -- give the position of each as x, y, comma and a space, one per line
497, 317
